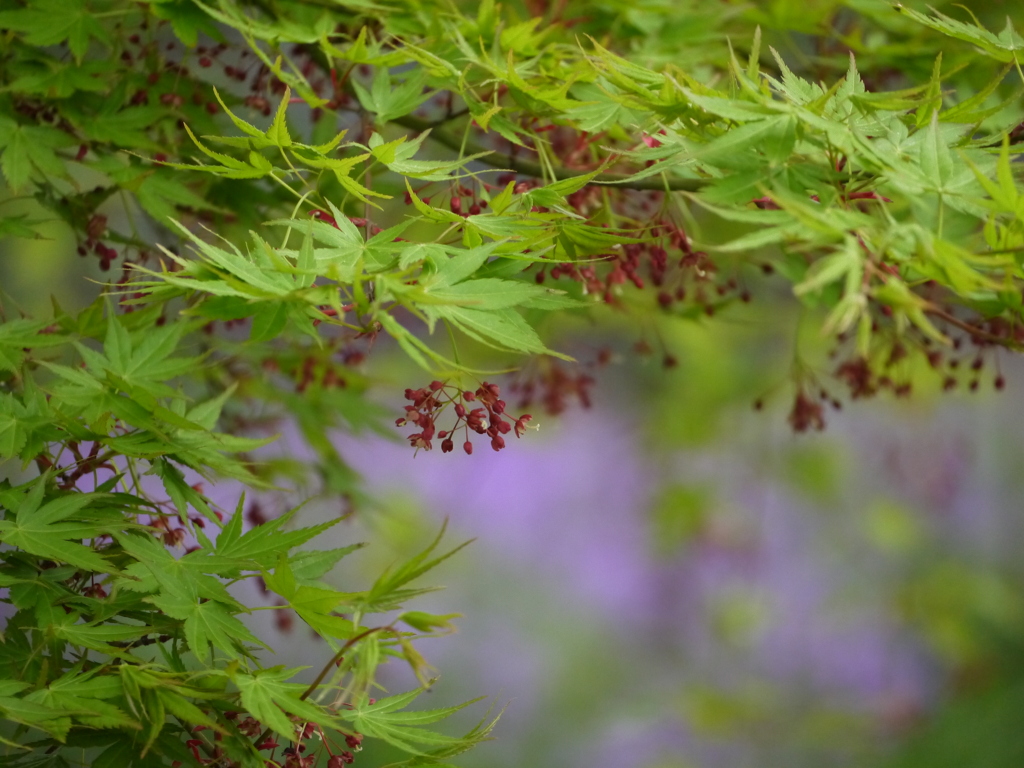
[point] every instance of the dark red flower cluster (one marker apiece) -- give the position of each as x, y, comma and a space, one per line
807, 413
666, 260
857, 375
342, 758
475, 204
357, 221
552, 386
96, 229
488, 419
962, 364
296, 755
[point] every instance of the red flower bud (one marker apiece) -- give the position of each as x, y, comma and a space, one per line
324, 217
354, 740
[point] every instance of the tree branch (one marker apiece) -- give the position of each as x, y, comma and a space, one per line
530, 168
973, 330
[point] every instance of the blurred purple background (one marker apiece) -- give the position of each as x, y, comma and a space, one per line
795, 620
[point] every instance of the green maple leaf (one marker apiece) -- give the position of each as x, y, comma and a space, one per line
382, 720
144, 363
14, 426
180, 491
1006, 46
54, 79
137, 368
20, 710
389, 103
85, 695
387, 591
314, 605
187, 20
51, 22
268, 697
28, 147
309, 565
264, 543
128, 127
20, 226
498, 328
38, 529
188, 594
229, 167
97, 636
207, 624
488, 293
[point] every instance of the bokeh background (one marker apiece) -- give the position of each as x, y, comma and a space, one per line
671, 578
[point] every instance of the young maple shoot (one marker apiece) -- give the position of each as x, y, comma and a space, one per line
275, 189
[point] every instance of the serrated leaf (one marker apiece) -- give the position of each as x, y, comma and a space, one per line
15, 163
51, 22
206, 623
383, 721
277, 133
14, 426
268, 697
499, 328
1007, 47
263, 543
311, 565
487, 293
36, 528
936, 161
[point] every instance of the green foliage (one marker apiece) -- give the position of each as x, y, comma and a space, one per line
590, 153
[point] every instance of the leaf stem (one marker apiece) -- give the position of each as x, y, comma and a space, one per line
455, 348
971, 329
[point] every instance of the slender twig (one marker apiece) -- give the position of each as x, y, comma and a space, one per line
335, 658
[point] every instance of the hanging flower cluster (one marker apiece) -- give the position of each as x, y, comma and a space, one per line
486, 418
